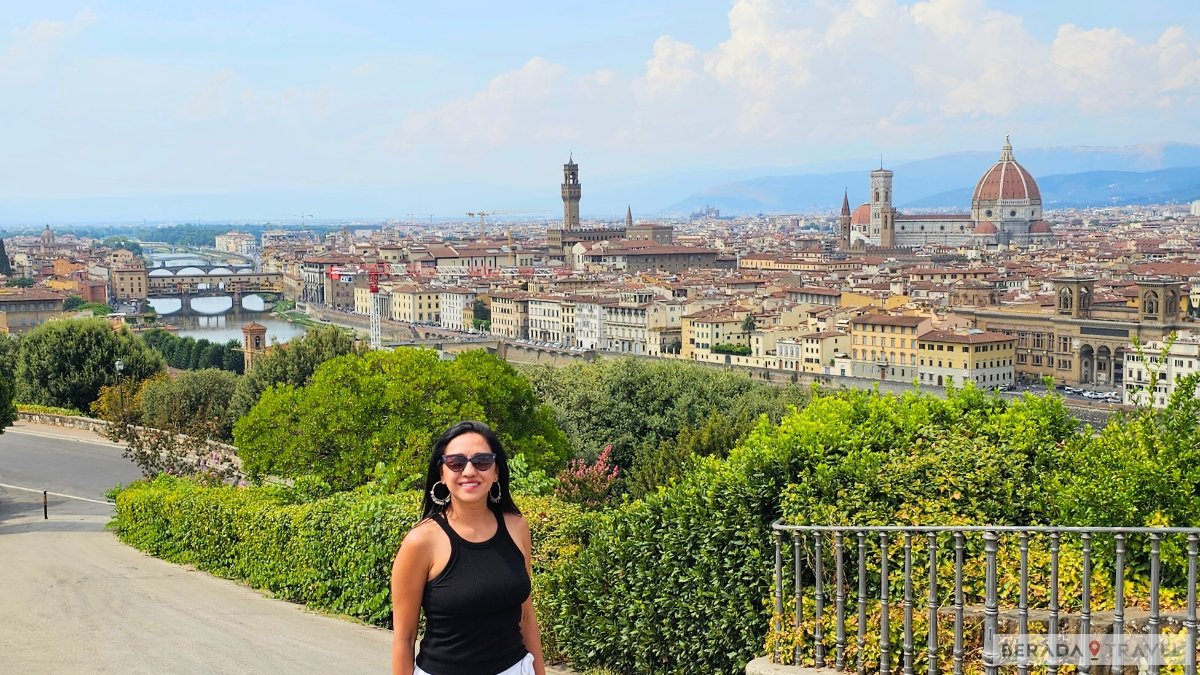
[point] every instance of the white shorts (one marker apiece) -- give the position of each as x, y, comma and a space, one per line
522, 667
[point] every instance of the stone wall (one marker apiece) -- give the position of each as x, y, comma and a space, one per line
220, 453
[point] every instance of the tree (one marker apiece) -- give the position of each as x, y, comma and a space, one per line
8, 404
749, 325
292, 364
193, 400
5, 264
480, 311
72, 302
65, 363
630, 402
21, 282
386, 408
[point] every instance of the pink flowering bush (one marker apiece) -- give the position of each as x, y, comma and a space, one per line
589, 485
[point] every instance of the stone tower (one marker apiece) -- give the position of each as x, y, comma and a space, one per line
254, 344
1160, 301
571, 192
844, 223
1074, 296
628, 217
883, 217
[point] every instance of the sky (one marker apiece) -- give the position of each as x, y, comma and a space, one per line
447, 106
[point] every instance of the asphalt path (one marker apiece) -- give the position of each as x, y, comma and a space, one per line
74, 599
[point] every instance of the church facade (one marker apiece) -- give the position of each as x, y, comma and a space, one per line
1006, 209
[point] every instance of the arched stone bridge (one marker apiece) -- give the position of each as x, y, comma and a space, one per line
198, 270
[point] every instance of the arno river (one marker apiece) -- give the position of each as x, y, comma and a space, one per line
216, 320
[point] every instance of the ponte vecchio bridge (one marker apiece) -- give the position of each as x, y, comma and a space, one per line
210, 280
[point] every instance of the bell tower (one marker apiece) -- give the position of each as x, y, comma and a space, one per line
1160, 301
883, 217
571, 192
1073, 296
844, 223
254, 343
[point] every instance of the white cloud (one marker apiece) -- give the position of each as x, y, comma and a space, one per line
31, 49
1105, 69
874, 72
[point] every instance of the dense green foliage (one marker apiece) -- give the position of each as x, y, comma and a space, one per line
9, 346
188, 353
736, 350
676, 582
630, 403
334, 552
126, 243
20, 282
65, 363
5, 263
387, 407
72, 302
47, 410
194, 403
8, 405
290, 364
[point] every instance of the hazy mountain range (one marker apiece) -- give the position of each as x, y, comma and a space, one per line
1067, 176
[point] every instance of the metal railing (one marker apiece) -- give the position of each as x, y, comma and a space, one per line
859, 565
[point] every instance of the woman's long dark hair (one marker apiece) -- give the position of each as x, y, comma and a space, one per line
506, 503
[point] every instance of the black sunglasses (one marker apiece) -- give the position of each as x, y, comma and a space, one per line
456, 463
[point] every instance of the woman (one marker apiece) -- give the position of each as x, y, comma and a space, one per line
467, 566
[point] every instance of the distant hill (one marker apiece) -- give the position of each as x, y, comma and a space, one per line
1096, 188
1067, 176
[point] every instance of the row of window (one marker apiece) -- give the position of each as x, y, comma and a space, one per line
29, 306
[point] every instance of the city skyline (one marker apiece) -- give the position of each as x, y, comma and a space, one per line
445, 108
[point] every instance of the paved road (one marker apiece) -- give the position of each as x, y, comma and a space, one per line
73, 599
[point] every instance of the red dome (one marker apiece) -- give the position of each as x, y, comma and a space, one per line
985, 227
1039, 227
861, 215
1006, 180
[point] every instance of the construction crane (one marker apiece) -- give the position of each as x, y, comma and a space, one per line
375, 272
484, 214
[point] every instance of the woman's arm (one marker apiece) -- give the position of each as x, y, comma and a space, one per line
531, 632
409, 572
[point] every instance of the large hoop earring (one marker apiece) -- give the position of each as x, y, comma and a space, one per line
499, 492
440, 501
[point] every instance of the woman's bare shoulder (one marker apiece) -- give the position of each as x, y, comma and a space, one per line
516, 523
422, 535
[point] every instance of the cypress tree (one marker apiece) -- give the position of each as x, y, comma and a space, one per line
5, 265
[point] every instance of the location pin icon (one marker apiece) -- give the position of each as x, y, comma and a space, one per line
1094, 645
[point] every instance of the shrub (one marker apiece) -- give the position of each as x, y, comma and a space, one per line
678, 582
387, 407
590, 486
736, 350
329, 551
48, 410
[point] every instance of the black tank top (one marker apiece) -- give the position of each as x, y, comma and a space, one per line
473, 608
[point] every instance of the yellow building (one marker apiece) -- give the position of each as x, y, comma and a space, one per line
948, 357
813, 352
510, 314
22, 310
700, 331
415, 304
129, 283
884, 346
1080, 341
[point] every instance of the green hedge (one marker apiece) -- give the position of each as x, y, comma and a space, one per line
680, 582
333, 553
34, 409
